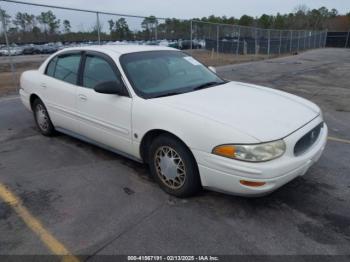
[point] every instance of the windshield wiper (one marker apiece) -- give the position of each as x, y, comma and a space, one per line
167, 94
208, 84
202, 86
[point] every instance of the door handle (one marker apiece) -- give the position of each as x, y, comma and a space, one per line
82, 97
43, 85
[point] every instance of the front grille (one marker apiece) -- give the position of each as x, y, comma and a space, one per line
307, 140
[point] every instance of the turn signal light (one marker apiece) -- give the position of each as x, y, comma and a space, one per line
225, 150
252, 183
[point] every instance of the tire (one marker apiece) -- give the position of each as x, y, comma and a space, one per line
173, 167
42, 118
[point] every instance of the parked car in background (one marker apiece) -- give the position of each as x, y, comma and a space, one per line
48, 48
174, 44
13, 51
3, 51
159, 106
186, 44
31, 49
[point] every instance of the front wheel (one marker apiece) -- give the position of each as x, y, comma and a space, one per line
42, 118
174, 167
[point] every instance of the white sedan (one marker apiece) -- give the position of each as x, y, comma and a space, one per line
160, 106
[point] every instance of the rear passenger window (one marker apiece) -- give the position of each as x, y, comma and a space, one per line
97, 70
67, 67
50, 70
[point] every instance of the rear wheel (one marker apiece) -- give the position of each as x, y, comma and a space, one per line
174, 167
42, 118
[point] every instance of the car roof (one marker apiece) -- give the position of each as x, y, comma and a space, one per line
121, 49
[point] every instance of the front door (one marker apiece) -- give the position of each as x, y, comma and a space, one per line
104, 118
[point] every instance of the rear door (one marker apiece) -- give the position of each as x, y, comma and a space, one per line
104, 118
59, 86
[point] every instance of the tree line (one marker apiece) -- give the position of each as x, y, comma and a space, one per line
46, 27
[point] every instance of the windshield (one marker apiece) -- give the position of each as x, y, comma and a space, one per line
163, 73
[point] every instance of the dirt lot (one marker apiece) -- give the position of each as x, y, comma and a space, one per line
8, 82
95, 202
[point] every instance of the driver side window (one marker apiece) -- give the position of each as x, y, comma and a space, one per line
98, 70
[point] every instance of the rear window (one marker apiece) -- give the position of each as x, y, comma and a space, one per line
67, 67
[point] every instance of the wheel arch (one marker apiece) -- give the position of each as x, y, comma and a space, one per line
150, 136
32, 98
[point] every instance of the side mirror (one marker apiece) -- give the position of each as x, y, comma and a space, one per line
211, 68
111, 87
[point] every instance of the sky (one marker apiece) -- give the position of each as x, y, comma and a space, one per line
171, 8
197, 8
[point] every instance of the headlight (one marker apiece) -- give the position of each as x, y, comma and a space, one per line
252, 153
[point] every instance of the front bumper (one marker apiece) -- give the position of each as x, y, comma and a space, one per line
223, 174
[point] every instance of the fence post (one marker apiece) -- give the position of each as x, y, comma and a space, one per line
239, 39
9, 51
279, 48
347, 39
98, 28
256, 41
156, 31
298, 41
305, 35
320, 40
191, 36
291, 40
217, 39
309, 39
325, 38
314, 39
268, 43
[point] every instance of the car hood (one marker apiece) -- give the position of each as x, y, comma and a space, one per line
263, 113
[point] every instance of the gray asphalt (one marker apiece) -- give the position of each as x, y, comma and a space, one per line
96, 202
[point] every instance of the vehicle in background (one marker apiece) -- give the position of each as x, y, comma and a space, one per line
3, 51
48, 48
31, 49
13, 51
186, 44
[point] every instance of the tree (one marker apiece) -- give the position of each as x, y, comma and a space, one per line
149, 24
24, 21
265, 21
122, 29
49, 21
30, 21
279, 21
66, 26
246, 20
19, 21
7, 18
299, 19
333, 12
36, 31
111, 25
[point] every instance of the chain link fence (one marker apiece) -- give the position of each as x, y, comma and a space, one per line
30, 32
219, 41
